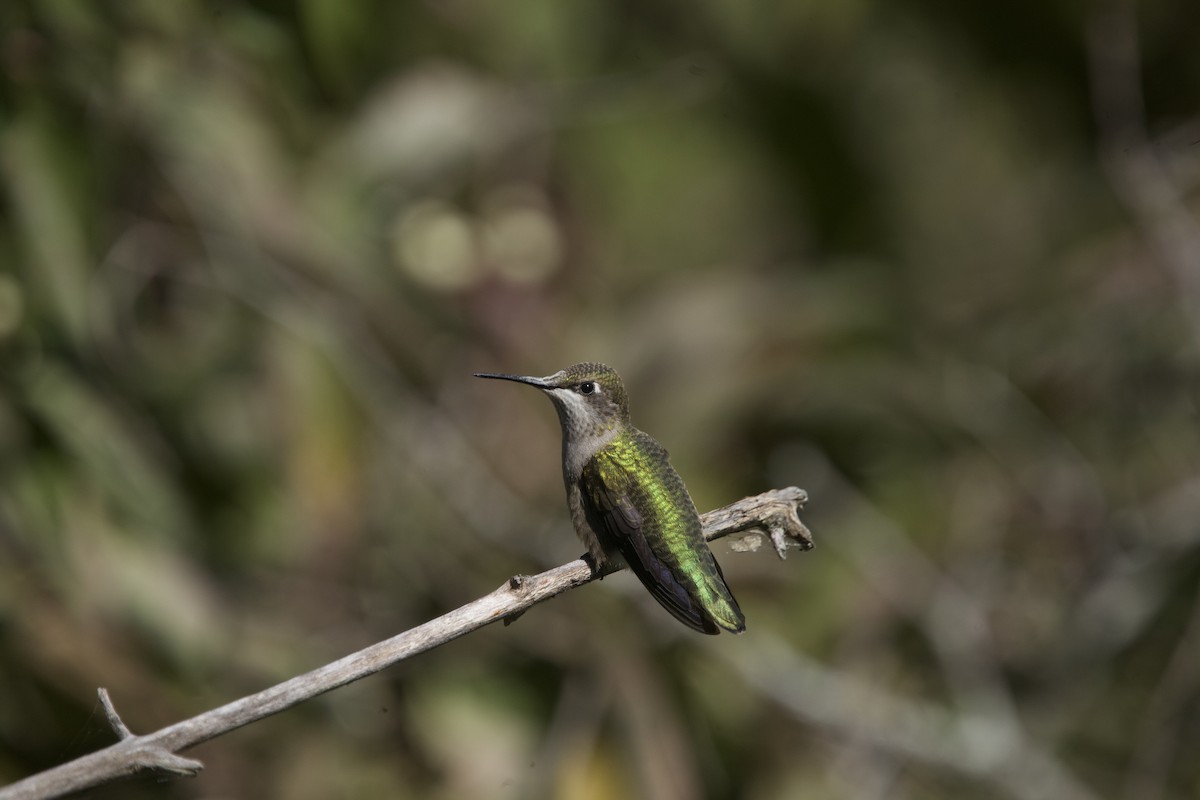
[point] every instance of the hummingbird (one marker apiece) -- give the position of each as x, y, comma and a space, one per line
628, 503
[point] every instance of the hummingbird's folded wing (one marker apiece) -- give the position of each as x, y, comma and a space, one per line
618, 507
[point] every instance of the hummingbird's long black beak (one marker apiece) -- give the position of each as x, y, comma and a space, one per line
538, 382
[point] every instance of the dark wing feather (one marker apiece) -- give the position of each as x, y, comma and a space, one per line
611, 510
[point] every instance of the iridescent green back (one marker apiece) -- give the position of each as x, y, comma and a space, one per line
636, 502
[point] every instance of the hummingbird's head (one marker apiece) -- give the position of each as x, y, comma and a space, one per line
589, 398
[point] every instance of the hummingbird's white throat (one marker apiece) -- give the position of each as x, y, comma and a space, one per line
583, 429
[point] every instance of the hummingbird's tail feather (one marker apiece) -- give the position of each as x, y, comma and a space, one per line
719, 611
663, 586
722, 606
707, 608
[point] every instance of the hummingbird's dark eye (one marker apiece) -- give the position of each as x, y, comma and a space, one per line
587, 387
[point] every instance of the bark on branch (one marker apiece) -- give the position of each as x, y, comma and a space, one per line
772, 514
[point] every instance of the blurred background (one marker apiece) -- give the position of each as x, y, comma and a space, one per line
936, 263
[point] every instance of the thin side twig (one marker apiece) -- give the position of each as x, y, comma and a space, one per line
769, 513
1128, 153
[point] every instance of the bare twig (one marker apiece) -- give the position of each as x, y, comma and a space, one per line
1128, 154
773, 513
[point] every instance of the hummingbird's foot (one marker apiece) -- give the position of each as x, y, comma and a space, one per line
606, 566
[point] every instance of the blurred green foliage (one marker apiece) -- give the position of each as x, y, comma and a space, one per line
250, 253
